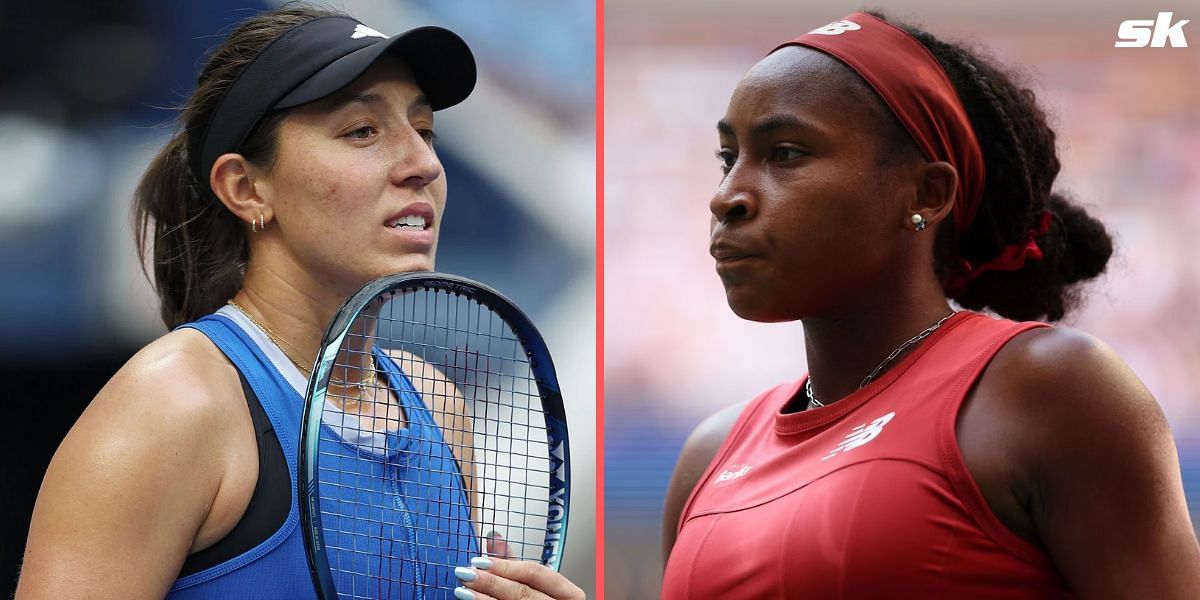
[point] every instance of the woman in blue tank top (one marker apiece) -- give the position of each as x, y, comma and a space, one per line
303, 168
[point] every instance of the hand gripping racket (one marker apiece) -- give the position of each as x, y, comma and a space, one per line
433, 432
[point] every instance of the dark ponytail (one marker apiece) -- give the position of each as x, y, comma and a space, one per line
1022, 162
196, 248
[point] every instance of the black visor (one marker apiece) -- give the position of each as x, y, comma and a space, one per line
316, 59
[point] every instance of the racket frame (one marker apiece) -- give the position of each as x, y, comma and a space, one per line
540, 364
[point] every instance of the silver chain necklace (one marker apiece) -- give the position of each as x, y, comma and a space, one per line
814, 403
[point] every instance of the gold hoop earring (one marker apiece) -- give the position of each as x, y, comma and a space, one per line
258, 223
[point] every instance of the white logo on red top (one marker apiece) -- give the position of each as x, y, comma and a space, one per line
362, 31
730, 474
861, 435
837, 28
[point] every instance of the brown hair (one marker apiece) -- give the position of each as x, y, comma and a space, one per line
199, 248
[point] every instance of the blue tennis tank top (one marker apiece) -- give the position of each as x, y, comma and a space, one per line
396, 524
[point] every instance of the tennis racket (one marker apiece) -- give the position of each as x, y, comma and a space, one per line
434, 431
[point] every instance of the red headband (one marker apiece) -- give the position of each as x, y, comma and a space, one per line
916, 89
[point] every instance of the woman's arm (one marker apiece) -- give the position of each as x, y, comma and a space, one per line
129, 492
698, 451
1100, 468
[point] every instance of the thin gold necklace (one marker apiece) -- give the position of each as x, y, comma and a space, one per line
271, 336
362, 385
369, 380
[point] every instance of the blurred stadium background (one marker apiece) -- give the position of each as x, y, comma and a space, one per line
86, 90
1129, 129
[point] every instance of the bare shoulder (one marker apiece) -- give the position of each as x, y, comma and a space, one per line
1064, 373
1090, 445
704, 441
133, 481
438, 391
698, 451
1053, 394
173, 384
1048, 350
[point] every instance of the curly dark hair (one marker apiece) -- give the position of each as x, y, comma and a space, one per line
1022, 162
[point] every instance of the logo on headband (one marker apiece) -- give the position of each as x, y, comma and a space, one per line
837, 28
362, 31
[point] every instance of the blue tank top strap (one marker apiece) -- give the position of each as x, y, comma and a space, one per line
281, 555
260, 373
419, 414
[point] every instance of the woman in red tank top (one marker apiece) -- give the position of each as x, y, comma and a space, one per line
872, 174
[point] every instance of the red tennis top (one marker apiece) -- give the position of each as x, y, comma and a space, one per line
866, 498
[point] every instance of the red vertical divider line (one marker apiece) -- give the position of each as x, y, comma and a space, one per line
600, 299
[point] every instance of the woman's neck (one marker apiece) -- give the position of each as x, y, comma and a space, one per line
846, 347
297, 310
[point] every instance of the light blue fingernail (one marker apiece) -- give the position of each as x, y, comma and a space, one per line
464, 574
463, 593
481, 562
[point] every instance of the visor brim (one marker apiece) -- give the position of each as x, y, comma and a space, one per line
441, 62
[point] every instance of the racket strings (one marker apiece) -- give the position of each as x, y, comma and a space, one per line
478, 482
